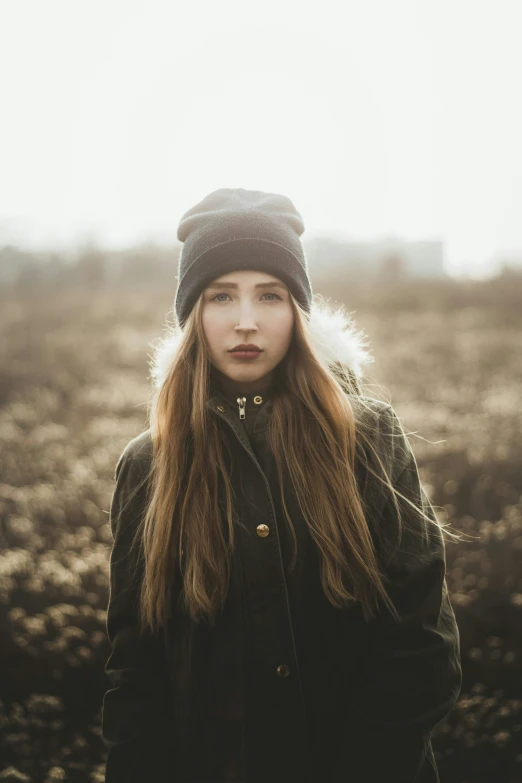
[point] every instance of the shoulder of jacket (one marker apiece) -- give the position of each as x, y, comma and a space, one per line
137, 453
368, 411
382, 425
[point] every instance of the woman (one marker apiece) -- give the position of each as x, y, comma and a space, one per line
278, 608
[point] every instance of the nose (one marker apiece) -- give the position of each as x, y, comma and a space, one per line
246, 318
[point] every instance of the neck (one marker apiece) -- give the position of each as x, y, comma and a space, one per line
233, 389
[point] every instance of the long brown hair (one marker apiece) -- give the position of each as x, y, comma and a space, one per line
315, 435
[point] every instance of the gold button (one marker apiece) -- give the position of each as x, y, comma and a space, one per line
220, 408
283, 670
263, 531
258, 399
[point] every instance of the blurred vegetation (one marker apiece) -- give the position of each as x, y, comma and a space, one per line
73, 386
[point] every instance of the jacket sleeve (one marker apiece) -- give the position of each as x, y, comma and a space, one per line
137, 712
411, 676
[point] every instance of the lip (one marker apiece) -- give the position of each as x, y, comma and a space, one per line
246, 347
246, 354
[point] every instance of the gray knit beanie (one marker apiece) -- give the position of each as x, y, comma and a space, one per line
233, 228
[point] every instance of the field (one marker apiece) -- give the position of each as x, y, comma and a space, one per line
73, 390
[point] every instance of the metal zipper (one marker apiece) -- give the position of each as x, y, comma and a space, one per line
267, 484
242, 409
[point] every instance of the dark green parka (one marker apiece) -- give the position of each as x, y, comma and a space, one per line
285, 688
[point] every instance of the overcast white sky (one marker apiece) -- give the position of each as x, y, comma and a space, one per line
374, 117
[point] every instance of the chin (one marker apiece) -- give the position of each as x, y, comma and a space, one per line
244, 374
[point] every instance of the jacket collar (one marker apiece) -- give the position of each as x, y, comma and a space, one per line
251, 403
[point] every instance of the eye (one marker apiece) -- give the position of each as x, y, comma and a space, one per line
216, 296
223, 293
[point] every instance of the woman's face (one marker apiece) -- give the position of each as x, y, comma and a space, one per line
247, 306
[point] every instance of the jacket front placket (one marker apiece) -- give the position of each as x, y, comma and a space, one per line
277, 736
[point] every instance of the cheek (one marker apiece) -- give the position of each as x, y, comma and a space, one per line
214, 332
280, 328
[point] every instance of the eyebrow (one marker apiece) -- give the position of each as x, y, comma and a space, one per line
270, 284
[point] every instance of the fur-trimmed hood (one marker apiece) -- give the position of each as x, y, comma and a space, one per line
335, 336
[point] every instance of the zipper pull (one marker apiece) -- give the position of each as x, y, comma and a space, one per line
241, 403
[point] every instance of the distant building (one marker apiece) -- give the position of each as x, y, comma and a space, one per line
389, 258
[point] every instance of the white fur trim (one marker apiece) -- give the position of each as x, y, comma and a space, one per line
336, 338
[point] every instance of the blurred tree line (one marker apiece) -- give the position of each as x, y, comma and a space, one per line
150, 264
89, 266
